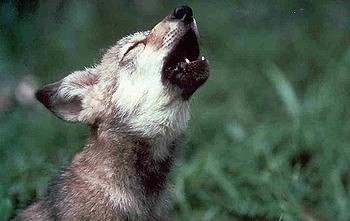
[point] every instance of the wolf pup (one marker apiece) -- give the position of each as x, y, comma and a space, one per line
136, 101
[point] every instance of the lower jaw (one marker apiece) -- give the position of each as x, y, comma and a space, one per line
188, 77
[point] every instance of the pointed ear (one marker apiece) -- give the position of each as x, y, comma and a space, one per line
64, 98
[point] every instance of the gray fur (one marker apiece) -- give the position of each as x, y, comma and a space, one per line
136, 108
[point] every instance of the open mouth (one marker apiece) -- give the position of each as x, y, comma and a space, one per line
184, 67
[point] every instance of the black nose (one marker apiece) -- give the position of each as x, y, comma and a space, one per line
183, 13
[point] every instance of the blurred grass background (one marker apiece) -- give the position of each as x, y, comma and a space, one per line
269, 135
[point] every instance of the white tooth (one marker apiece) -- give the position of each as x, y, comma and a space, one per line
203, 58
187, 61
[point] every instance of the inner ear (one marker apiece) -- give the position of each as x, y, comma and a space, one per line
64, 107
45, 94
64, 98
68, 109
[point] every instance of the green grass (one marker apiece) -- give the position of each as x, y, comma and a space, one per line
269, 135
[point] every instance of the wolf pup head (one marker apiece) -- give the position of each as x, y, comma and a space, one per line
143, 84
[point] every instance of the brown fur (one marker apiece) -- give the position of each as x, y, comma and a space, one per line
110, 160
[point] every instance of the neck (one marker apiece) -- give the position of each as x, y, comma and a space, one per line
122, 165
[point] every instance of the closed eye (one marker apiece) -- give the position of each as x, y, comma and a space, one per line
130, 49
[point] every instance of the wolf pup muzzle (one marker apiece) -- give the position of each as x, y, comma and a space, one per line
183, 66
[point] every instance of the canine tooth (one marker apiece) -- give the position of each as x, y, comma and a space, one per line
203, 58
187, 61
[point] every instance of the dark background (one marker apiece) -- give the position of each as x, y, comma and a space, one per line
269, 135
